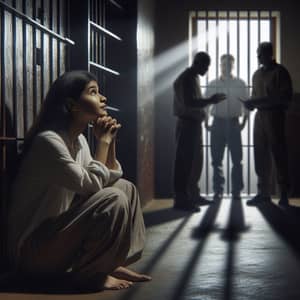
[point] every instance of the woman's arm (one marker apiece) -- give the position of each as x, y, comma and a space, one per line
105, 130
111, 161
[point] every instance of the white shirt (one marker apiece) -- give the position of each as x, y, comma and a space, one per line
233, 88
47, 181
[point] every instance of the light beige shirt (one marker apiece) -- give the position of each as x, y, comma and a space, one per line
273, 82
49, 177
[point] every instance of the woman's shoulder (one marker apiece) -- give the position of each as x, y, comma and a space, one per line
49, 138
49, 135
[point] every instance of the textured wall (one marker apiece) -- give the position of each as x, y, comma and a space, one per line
145, 103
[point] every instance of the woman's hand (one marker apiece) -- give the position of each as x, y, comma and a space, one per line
106, 128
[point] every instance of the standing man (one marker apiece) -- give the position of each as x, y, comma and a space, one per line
272, 92
226, 127
189, 110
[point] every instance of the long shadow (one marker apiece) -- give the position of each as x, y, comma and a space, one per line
235, 226
201, 232
207, 223
285, 222
156, 257
163, 216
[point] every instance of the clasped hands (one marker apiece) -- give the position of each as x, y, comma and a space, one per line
105, 128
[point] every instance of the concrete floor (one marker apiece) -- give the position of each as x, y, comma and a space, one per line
227, 251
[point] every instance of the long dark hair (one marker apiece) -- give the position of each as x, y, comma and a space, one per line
55, 113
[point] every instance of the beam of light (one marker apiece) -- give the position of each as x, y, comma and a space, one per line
170, 63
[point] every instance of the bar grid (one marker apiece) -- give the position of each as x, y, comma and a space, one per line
253, 20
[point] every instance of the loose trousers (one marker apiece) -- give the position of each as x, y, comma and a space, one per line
92, 238
188, 161
270, 141
226, 132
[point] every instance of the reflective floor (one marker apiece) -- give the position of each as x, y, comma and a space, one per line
226, 251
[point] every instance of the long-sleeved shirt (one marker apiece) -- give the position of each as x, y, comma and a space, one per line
273, 82
233, 88
186, 93
49, 177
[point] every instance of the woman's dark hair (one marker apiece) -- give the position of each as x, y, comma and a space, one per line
55, 111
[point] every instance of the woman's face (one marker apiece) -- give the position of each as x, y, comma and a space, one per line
91, 103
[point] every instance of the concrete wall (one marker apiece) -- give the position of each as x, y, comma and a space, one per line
145, 102
171, 33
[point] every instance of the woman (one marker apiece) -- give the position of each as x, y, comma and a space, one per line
50, 233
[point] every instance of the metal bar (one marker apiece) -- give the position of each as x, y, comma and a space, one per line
67, 27
34, 71
96, 41
270, 29
238, 45
103, 68
217, 41
92, 46
206, 152
50, 43
258, 26
34, 23
14, 66
103, 41
104, 30
3, 94
9, 139
227, 106
42, 56
249, 84
238, 63
25, 104
58, 42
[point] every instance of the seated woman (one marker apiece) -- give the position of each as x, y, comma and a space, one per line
95, 237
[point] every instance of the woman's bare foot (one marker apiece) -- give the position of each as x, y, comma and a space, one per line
127, 274
112, 283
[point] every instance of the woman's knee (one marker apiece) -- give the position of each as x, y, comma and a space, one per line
113, 197
127, 187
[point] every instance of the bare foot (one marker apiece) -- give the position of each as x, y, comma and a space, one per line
127, 274
112, 283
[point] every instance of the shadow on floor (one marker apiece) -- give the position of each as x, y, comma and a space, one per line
163, 216
157, 255
207, 223
201, 232
284, 221
235, 226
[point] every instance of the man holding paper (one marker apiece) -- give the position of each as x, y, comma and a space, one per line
272, 92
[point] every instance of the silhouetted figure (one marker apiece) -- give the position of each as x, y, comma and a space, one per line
226, 127
189, 110
272, 92
93, 239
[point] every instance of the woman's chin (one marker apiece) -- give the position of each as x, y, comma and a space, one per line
102, 114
